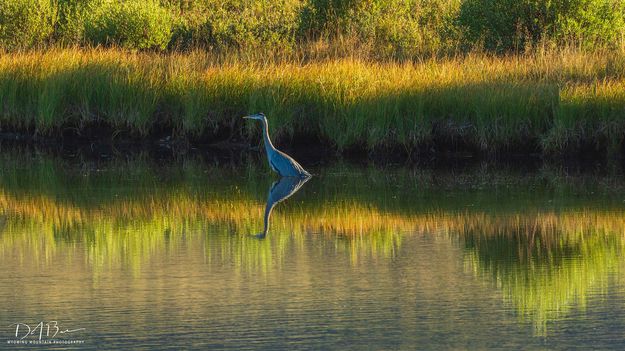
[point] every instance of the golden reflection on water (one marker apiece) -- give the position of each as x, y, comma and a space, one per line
544, 261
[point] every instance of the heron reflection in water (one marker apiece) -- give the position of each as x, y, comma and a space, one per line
280, 190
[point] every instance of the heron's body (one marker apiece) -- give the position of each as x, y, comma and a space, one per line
279, 162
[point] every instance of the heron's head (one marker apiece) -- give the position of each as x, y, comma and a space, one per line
258, 116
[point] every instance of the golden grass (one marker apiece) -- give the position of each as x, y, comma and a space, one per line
557, 100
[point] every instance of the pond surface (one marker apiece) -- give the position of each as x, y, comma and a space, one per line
138, 254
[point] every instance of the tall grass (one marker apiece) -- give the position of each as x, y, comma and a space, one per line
552, 101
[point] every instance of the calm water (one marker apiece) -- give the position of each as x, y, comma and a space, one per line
187, 254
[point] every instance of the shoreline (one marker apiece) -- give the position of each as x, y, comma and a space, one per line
167, 150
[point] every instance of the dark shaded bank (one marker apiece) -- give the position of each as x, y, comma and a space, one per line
97, 141
169, 151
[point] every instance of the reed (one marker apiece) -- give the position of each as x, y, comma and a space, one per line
552, 102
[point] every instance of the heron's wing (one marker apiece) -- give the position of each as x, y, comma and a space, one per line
285, 162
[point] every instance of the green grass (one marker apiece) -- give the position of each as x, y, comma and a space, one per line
552, 101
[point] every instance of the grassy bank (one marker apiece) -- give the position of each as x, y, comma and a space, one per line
551, 102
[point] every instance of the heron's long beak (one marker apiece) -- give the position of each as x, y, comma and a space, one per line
247, 117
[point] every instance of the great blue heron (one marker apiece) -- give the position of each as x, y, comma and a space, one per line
280, 190
280, 162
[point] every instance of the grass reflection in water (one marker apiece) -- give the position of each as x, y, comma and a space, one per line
546, 241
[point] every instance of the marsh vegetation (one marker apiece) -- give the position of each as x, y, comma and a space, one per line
542, 102
544, 77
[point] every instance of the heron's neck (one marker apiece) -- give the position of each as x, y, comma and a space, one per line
268, 145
